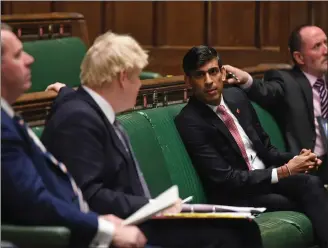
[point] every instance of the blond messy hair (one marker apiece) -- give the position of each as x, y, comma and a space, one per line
110, 54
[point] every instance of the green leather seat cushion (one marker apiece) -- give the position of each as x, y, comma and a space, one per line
36, 236
285, 229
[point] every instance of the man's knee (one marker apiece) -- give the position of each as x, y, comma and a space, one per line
313, 181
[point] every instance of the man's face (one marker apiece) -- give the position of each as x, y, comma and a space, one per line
314, 50
132, 85
207, 82
15, 65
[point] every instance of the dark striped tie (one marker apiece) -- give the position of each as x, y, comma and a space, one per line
320, 87
128, 147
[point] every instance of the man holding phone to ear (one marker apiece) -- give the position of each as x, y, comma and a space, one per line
297, 98
232, 153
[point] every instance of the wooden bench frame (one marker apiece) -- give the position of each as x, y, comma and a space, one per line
29, 27
34, 107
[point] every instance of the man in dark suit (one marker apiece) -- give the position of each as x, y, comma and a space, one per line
82, 131
36, 189
233, 155
297, 97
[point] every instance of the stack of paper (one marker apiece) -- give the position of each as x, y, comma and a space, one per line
163, 201
231, 215
207, 208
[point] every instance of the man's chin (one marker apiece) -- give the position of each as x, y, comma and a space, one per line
27, 85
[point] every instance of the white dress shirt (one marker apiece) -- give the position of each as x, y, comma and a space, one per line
104, 235
255, 162
319, 149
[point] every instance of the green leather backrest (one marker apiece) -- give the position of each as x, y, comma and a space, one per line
271, 127
38, 130
56, 60
59, 60
148, 152
177, 160
149, 75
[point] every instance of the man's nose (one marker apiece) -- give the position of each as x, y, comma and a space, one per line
208, 78
325, 48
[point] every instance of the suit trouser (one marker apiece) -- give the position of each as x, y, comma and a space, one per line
323, 170
209, 233
302, 192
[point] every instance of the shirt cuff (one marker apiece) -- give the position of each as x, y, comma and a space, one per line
274, 176
248, 84
104, 234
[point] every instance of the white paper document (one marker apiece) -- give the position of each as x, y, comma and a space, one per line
167, 199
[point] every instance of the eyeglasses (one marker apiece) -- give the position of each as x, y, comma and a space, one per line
199, 74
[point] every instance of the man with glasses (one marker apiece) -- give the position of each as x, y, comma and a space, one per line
233, 155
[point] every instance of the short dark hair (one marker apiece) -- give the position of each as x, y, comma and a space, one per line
295, 39
197, 57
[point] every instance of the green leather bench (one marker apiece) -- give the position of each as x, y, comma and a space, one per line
164, 162
59, 60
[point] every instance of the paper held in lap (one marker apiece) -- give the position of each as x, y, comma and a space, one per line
171, 196
167, 199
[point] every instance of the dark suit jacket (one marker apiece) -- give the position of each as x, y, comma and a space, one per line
79, 134
287, 95
215, 154
36, 192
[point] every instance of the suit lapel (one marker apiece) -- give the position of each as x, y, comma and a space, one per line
306, 90
115, 139
211, 117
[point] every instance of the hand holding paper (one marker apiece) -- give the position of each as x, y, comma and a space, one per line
163, 201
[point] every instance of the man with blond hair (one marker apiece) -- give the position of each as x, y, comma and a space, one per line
36, 188
82, 130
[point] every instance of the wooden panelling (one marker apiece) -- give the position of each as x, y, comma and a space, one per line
27, 7
245, 33
241, 28
180, 23
92, 12
269, 21
298, 14
320, 15
137, 19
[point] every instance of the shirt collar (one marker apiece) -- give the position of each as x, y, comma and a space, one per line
102, 103
7, 108
214, 107
312, 79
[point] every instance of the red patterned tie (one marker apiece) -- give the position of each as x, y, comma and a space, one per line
231, 125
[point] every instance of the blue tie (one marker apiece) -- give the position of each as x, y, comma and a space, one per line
127, 145
82, 204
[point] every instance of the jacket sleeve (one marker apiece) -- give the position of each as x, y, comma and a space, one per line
269, 91
79, 143
27, 200
211, 165
275, 157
